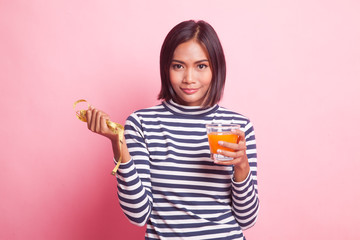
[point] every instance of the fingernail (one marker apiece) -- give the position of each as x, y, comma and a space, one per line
221, 142
219, 151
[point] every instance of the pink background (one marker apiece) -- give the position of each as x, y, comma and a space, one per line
293, 69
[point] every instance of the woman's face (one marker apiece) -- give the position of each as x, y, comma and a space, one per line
190, 73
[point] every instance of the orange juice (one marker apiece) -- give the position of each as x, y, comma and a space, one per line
215, 137
221, 132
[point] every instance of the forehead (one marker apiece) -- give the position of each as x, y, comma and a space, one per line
190, 50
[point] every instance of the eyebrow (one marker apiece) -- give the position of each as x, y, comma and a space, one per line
178, 61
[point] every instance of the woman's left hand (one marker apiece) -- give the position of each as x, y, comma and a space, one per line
240, 160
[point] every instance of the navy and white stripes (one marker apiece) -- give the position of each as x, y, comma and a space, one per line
173, 186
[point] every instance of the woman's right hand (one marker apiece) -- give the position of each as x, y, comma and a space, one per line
96, 121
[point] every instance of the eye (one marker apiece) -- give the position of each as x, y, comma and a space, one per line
202, 66
177, 66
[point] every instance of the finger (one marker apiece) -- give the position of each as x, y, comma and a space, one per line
234, 155
242, 145
235, 146
98, 124
240, 133
88, 118
103, 125
93, 120
228, 162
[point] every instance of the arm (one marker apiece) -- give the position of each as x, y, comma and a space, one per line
245, 193
245, 202
133, 176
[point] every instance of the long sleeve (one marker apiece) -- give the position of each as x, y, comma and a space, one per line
173, 186
133, 177
245, 201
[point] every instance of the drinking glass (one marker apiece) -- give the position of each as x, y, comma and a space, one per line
221, 132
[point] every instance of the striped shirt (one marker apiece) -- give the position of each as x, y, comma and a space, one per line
173, 186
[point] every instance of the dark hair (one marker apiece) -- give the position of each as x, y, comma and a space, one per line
205, 34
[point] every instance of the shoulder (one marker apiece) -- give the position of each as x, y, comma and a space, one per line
232, 114
237, 118
155, 108
148, 113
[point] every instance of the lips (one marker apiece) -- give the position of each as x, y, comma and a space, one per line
189, 90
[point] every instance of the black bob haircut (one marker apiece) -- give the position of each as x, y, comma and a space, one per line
205, 34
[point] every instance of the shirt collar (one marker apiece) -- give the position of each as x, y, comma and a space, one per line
188, 110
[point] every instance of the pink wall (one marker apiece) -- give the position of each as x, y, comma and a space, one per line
293, 68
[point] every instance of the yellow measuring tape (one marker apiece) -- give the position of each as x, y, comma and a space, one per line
113, 126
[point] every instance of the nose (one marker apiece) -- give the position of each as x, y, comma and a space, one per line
189, 76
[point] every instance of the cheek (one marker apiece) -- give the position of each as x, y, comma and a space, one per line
174, 78
171, 75
207, 79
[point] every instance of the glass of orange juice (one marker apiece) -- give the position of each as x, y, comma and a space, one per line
221, 132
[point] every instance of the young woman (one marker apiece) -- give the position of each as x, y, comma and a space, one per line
167, 179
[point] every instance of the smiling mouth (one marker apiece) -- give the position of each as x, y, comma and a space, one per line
189, 90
